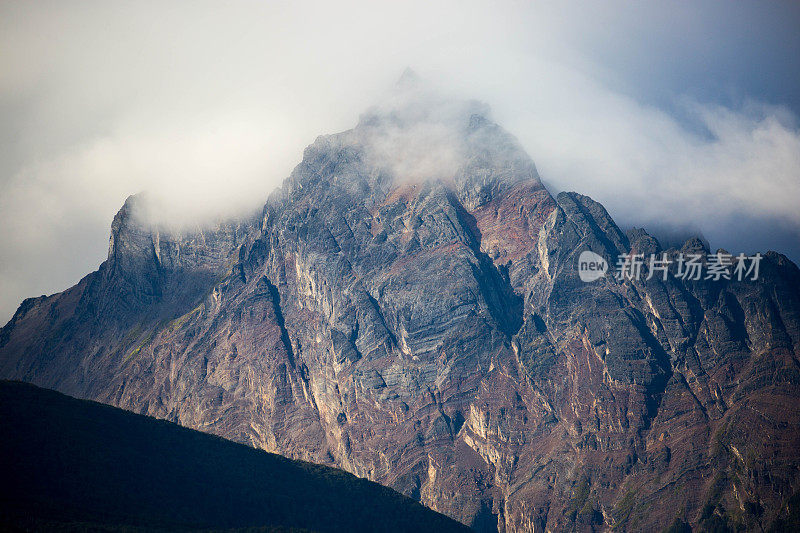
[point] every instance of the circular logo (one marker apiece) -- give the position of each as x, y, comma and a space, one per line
591, 266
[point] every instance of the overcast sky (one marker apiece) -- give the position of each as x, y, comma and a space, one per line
675, 115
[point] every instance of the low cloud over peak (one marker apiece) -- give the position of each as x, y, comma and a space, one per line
209, 107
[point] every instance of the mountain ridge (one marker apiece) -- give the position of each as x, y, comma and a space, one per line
424, 325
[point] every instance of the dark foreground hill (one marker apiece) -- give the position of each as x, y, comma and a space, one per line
69, 464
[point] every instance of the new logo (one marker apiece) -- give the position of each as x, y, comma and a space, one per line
591, 266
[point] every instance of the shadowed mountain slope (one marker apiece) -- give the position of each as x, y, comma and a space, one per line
70, 464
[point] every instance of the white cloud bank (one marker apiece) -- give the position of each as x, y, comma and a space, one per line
209, 107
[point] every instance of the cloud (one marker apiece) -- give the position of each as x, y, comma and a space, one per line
209, 106
417, 133
732, 174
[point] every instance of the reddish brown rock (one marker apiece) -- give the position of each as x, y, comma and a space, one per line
433, 335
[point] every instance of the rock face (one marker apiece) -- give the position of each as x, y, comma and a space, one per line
407, 307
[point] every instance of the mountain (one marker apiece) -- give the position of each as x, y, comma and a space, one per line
77, 465
408, 307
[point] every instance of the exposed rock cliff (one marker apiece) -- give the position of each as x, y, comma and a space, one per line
408, 308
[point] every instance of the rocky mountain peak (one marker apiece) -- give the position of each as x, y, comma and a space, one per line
131, 229
410, 309
408, 80
417, 136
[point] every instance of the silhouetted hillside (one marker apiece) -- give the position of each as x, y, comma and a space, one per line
79, 465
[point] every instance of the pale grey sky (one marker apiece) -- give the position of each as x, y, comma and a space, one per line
672, 114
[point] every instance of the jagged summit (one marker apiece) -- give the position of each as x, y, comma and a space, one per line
416, 137
414, 100
408, 80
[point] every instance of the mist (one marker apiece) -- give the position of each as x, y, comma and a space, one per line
681, 117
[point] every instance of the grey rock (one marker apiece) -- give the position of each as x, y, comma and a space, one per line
430, 332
